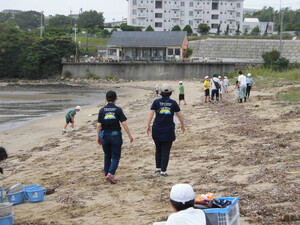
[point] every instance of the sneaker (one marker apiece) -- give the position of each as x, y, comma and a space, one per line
63, 131
164, 174
157, 170
74, 129
111, 178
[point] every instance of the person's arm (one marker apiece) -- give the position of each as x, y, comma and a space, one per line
181, 119
125, 126
98, 132
149, 119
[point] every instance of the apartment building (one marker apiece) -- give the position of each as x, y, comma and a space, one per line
163, 15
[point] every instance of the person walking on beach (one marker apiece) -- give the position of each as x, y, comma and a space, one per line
163, 128
70, 118
215, 86
206, 85
110, 136
243, 86
249, 82
181, 93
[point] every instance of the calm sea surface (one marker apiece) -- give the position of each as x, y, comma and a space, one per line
22, 103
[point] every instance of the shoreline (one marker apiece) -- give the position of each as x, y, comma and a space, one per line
40, 154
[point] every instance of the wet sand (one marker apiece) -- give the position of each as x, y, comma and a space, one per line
231, 149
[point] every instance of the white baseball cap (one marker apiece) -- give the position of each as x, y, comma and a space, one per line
78, 107
166, 88
219, 77
249, 75
182, 193
206, 77
225, 77
180, 82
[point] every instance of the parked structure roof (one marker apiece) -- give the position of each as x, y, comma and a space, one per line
147, 39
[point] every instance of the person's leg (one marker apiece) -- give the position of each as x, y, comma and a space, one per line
166, 148
213, 92
116, 147
248, 91
106, 146
158, 154
65, 127
217, 95
72, 125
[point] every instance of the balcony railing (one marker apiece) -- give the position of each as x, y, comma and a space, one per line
141, 15
231, 8
175, 16
175, 6
142, 6
231, 17
198, 7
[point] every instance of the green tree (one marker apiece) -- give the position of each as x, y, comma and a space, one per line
238, 32
176, 28
60, 21
28, 20
272, 60
246, 31
4, 17
219, 29
188, 29
188, 52
91, 19
227, 30
149, 28
203, 29
255, 31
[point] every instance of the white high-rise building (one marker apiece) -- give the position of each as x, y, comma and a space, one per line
163, 15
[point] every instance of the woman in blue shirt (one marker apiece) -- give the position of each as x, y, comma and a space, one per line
163, 128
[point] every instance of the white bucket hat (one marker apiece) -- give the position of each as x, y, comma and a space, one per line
166, 88
78, 107
249, 75
182, 193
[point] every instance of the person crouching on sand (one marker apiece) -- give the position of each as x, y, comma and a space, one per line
70, 118
163, 129
110, 136
182, 199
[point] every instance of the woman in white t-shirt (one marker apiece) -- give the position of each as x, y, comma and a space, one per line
182, 198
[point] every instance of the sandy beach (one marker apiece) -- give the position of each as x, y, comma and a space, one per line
249, 150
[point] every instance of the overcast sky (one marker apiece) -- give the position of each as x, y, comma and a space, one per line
112, 9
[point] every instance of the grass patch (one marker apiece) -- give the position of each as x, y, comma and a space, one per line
91, 41
90, 75
293, 156
292, 95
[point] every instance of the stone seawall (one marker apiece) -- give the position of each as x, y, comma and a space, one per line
244, 49
148, 71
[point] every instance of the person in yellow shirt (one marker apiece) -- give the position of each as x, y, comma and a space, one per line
206, 85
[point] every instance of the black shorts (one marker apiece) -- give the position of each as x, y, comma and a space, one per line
206, 92
181, 97
69, 120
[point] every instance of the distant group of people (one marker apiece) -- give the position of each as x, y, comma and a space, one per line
216, 87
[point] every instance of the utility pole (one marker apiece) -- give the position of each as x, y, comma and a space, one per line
41, 28
281, 28
75, 31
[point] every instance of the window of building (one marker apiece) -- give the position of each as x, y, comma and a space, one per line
158, 4
134, 2
170, 51
214, 26
134, 21
191, 13
158, 15
181, 13
112, 51
181, 22
221, 12
207, 3
238, 14
158, 24
238, 5
191, 4
191, 22
134, 12
182, 4
177, 51
214, 17
215, 6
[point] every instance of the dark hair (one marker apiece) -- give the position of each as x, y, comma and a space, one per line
111, 96
180, 206
165, 94
240, 72
3, 154
215, 75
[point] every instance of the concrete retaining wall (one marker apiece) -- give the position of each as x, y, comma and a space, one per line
148, 71
244, 48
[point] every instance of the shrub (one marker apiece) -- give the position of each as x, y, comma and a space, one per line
110, 77
91, 75
67, 74
272, 60
189, 52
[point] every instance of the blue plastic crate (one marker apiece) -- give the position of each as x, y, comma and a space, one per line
224, 216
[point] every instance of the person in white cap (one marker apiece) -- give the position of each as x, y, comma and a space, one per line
226, 84
181, 93
182, 198
206, 85
249, 82
70, 117
163, 128
243, 86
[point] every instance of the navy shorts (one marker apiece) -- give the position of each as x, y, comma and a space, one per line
181, 97
206, 92
69, 120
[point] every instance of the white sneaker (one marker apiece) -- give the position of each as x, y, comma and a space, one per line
64, 131
74, 129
